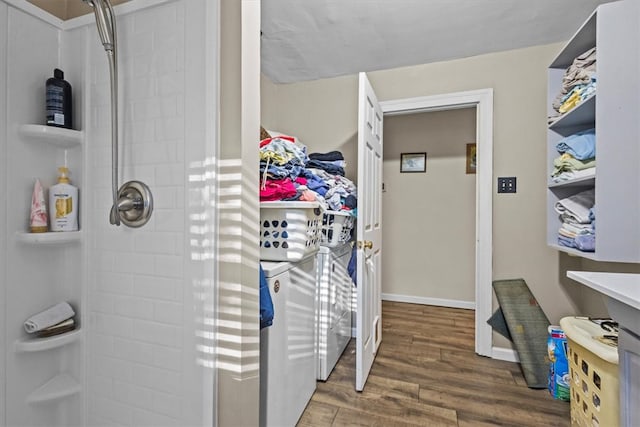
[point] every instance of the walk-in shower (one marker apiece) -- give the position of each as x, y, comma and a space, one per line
133, 202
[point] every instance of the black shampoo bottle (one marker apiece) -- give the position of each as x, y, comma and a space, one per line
58, 100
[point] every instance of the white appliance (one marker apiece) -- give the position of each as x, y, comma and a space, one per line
334, 301
287, 347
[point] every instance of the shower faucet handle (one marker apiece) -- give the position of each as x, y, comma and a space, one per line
128, 202
135, 204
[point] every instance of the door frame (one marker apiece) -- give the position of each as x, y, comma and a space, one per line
482, 100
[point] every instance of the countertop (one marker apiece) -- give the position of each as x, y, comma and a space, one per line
624, 287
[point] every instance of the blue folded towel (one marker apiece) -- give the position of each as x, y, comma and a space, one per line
566, 241
586, 242
581, 145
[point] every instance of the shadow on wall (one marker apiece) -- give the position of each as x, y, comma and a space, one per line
234, 345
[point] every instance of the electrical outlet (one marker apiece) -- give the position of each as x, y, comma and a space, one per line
507, 184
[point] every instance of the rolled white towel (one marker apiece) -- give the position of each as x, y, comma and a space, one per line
51, 316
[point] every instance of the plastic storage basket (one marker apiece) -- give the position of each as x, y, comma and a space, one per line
289, 231
336, 228
593, 366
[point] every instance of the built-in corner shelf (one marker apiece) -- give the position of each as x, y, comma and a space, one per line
29, 345
58, 387
61, 137
50, 238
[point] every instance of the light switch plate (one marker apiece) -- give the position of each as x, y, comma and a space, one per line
507, 184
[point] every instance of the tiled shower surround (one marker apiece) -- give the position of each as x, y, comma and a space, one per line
144, 296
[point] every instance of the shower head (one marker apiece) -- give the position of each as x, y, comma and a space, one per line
105, 22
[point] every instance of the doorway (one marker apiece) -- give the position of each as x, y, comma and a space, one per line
482, 100
430, 233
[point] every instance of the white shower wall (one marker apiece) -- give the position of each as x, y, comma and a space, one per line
37, 276
144, 296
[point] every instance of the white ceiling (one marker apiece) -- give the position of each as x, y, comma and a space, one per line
314, 39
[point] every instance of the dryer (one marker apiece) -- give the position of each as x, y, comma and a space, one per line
334, 302
287, 347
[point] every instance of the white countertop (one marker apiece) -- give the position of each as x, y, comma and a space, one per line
624, 287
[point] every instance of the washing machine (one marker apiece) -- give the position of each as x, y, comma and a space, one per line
287, 347
334, 300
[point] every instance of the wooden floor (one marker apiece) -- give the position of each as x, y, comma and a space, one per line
426, 373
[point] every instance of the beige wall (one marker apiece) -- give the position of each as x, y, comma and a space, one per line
429, 218
321, 113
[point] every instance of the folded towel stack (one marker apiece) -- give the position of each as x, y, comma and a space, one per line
577, 214
52, 321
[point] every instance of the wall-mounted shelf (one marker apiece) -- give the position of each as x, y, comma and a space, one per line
582, 114
58, 387
584, 181
50, 238
575, 252
613, 112
61, 137
28, 345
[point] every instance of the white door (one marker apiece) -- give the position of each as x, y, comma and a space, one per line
369, 231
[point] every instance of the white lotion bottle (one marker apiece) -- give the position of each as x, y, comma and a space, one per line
63, 203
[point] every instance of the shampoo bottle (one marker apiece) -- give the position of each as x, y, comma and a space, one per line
63, 203
58, 100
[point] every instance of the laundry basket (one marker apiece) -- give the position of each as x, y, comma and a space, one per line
593, 366
289, 231
336, 228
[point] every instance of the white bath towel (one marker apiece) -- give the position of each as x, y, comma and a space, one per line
576, 207
51, 316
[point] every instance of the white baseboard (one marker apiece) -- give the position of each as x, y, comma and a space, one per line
469, 305
506, 354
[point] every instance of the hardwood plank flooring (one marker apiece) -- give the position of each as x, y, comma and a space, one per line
427, 374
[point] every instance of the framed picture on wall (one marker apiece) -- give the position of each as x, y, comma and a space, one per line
413, 162
471, 158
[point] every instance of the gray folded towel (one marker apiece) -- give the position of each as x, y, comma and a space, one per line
51, 316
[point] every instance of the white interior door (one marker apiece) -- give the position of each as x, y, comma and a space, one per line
369, 231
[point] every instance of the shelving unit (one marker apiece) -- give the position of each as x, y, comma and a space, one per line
61, 137
56, 388
614, 112
52, 389
50, 238
31, 345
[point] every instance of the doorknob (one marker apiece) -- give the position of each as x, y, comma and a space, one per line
367, 244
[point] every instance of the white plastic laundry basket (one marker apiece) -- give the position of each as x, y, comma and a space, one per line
289, 231
336, 228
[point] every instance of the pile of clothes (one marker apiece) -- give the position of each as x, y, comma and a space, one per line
289, 174
577, 213
577, 156
578, 84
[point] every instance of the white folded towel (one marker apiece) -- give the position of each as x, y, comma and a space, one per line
576, 208
51, 316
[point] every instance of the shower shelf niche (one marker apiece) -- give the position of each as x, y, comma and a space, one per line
29, 345
50, 238
58, 387
61, 137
